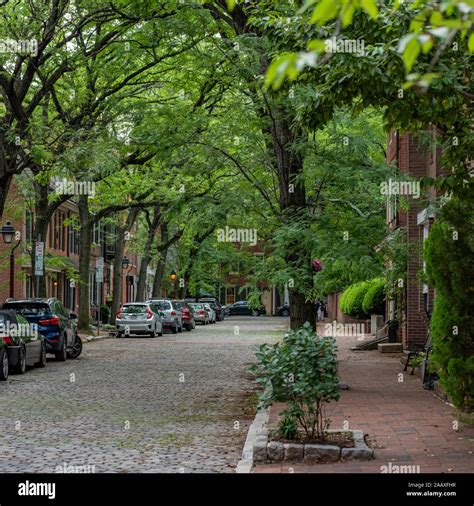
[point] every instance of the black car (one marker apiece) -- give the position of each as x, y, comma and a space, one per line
283, 310
242, 308
55, 324
20, 344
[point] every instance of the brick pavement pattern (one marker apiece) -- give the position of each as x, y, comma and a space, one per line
406, 424
167, 404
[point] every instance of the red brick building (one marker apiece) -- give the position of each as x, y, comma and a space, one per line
417, 159
61, 257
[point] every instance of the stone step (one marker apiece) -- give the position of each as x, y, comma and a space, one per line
390, 348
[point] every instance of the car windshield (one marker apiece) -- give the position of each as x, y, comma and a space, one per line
162, 304
134, 309
197, 306
28, 308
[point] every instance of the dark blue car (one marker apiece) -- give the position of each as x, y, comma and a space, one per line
55, 324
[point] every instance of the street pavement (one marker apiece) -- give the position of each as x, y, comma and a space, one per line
177, 403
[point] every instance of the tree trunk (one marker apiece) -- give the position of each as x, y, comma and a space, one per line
5, 181
85, 241
161, 262
119, 252
147, 253
292, 201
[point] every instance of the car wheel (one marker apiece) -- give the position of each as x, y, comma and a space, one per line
119, 335
62, 353
20, 367
77, 348
42, 360
175, 329
285, 312
180, 328
4, 365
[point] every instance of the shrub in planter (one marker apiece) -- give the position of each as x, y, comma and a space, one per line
374, 298
302, 371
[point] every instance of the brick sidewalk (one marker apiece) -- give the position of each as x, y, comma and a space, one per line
405, 424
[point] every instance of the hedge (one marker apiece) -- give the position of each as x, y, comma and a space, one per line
352, 298
364, 298
374, 299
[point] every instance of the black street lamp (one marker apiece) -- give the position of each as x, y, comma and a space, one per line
8, 232
125, 262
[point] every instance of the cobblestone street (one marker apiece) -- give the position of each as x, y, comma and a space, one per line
177, 403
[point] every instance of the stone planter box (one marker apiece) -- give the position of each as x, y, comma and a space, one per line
269, 452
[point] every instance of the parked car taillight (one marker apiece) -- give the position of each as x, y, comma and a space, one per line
7, 340
201, 311
149, 313
173, 313
50, 321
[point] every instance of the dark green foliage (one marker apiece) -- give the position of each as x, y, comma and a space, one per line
301, 370
288, 427
449, 255
374, 298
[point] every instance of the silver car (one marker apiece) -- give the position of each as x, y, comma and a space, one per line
212, 313
139, 318
199, 312
172, 317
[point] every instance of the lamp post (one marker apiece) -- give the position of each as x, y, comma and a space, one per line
8, 232
125, 265
173, 277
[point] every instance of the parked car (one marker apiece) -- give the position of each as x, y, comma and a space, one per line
283, 310
200, 314
188, 317
21, 344
211, 312
173, 319
242, 308
215, 306
55, 323
226, 310
138, 318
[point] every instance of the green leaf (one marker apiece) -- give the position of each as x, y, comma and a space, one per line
370, 6
411, 53
319, 46
325, 11
231, 4
470, 43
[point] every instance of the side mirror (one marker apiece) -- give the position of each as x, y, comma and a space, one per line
73, 316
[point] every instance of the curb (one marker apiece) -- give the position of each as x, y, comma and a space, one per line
257, 429
89, 339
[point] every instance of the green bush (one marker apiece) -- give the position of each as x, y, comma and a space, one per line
302, 371
374, 298
449, 256
352, 298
